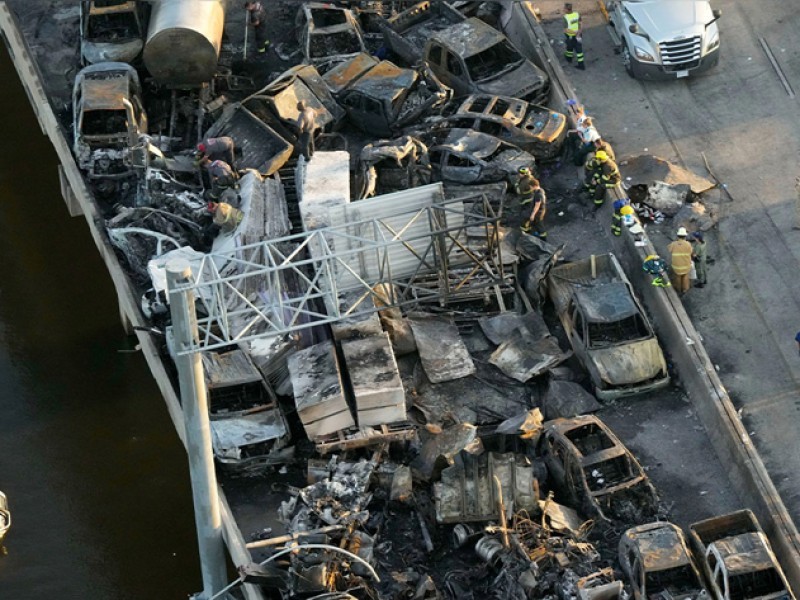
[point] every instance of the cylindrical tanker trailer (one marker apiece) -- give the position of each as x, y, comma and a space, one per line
183, 41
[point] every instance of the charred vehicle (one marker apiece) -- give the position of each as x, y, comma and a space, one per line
381, 98
658, 563
328, 34
737, 558
473, 57
594, 472
607, 327
276, 104
531, 127
467, 156
111, 30
248, 429
108, 118
407, 32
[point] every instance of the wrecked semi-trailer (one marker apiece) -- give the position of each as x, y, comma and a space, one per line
737, 559
607, 327
665, 39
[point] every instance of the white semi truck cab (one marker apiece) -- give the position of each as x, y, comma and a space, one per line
665, 39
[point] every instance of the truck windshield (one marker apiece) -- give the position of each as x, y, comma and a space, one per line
755, 584
112, 27
492, 62
602, 335
104, 122
677, 581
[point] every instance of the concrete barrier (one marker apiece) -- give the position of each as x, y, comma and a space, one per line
678, 336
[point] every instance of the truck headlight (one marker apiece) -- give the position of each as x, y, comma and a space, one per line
642, 55
713, 42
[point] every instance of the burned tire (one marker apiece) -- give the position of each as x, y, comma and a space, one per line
627, 60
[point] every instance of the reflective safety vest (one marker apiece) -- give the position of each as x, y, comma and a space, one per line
681, 254
573, 20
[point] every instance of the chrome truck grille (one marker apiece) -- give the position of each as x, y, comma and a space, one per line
679, 55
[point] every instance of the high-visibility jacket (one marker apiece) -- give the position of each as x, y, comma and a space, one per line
681, 253
573, 20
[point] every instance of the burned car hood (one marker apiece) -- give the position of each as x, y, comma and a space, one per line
525, 82
99, 52
630, 363
671, 19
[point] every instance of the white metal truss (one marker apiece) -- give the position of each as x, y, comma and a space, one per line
285, 285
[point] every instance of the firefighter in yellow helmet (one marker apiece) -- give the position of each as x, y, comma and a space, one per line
602, 174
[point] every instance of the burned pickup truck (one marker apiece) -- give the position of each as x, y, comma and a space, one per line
594, 472
381, 98
248, 429
473, 57
658, 563
607, 327
108, 118
737, 558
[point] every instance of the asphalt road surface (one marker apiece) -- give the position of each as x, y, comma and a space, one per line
745, 121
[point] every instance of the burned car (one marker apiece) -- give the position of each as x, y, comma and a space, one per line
594, 472
607, 327
328, 34
108, 118
381, 98
467, 156
248, 429
111, 30
276, 104
533, 128
473, 57
658, 563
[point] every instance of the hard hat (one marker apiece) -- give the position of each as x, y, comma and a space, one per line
682, 232
626, 210
212, 207
201, 147
618, 204
524, 171
601, 155
698, 235
652, 257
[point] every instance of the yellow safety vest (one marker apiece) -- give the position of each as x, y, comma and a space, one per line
573, 20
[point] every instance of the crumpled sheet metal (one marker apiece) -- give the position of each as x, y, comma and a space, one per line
523, 357
441, 349
565, 399
439, 450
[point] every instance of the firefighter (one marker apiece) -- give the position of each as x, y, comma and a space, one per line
602, 174
219, 148
257, 17
573, 36
681, 261
222, 177
226, 217
616, 218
